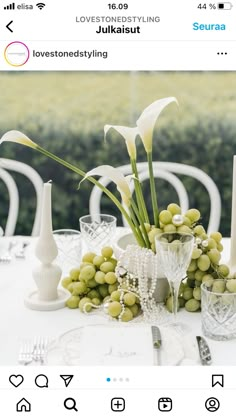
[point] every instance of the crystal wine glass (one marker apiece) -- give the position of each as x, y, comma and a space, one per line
175, 250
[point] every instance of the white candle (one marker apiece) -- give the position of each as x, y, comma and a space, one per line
232, 262
46, 215
46, 248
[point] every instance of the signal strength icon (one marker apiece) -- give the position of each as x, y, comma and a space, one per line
40, 5
10, 6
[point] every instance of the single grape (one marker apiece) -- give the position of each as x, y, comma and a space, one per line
220, 247
192, 305
184, 229
103, 290
174, 208
79, 288
192, 266
107, 252
231, 286
112, 261
129, 299
218, 286
223, 270
193, 214
98, 260
196, 253
73, 302
84, 304
191, 275
96, 301
208, 279
204, 262
134, 309
74, 273
88, 257
114, 309
110, 278
203, 236
187, 221
212, 244
65, 282
214, 256
93, 294
147, 227
87, 273
100, 277
169, 228
70, 287
197, 293
127, 315
153, 233
165, 217
169, 304
113, 287
91, 283
216, 236
199, 230
181, 302
115, 296
199, 275
188, 293
106, 267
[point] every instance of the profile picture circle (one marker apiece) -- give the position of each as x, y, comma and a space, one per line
16, 53
212, 404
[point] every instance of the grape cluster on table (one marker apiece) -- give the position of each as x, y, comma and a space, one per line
205, 264
94, 282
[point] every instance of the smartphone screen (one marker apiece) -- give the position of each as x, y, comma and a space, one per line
118, 209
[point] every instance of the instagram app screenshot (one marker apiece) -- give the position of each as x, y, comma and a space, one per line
117, 209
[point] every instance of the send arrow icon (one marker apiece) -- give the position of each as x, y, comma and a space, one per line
67, 379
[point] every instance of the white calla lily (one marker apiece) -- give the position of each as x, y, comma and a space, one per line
147, 120
116, 176
18, 137
129, 134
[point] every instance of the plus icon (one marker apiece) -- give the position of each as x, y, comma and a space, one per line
117, 404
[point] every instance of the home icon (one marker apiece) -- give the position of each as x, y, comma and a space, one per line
23, 405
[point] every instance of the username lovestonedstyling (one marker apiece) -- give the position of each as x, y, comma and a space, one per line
72, 54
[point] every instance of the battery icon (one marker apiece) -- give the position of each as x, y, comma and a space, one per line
225, 5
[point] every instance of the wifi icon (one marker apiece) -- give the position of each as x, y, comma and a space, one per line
40, 5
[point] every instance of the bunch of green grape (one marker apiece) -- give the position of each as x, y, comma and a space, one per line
94, 282
205, 264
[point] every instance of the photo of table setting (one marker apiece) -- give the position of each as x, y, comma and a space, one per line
159, 290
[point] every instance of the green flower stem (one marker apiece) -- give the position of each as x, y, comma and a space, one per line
139, 192
99, 185
153, 190
135, 221
144, 232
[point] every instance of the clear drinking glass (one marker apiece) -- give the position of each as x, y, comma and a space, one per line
175, 250
218, 314
97, 230
69, 246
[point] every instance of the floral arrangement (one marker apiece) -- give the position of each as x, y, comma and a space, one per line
205, 264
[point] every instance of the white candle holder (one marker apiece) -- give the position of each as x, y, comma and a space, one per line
47, 275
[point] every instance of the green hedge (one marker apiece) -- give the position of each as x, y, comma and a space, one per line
197, 134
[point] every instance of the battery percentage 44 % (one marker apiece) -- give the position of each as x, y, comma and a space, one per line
211, 6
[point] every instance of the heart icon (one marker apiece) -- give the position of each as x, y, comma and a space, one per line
16, 380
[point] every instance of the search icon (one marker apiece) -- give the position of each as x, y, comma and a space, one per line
70, 404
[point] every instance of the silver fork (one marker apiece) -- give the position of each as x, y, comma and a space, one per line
40, 349
25, 353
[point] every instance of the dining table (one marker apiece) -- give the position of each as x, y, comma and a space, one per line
19, 322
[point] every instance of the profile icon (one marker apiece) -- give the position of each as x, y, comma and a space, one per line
212, 404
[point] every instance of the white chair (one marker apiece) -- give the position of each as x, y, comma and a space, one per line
13, 165
166, 170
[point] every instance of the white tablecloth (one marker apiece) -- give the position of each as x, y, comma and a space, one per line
18, 322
